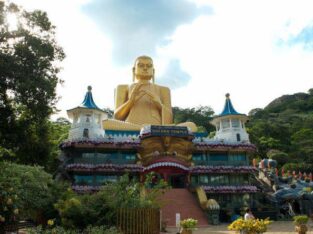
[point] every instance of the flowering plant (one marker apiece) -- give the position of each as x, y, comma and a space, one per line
50, 222
189, 223
8, 205
250, 226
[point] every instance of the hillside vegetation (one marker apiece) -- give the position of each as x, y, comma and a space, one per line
283, 130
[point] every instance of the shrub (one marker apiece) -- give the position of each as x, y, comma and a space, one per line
61, 230
31, 189
55, 230
300, 219
101, 230
70, 210
79, 211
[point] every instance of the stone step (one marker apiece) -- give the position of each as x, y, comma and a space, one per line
184, 202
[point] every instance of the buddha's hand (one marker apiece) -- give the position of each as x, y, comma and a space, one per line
155, 98
136, 94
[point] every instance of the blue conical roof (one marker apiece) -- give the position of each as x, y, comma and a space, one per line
228, 108
88, 101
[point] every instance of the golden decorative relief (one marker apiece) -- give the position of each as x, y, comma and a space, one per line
157, 147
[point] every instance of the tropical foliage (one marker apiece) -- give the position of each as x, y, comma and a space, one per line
79, 211
300, 219
283, 130
200, 115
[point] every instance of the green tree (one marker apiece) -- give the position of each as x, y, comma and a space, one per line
279, 156
302, 142
34, 191
284, 126
58, 132
200, 115
29, 65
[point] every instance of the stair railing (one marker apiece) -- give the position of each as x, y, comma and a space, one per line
211, 207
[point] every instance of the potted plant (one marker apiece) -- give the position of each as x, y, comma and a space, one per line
250, 226
187, 225
300, 221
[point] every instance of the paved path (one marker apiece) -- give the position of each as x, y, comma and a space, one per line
277, 227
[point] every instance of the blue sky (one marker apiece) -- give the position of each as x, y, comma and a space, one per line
256, 50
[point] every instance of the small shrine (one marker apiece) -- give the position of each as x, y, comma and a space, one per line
86, 119
230, 125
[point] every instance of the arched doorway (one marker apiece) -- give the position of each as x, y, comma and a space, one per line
174, 172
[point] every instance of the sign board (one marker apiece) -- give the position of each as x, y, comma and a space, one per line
177, 219
176, 131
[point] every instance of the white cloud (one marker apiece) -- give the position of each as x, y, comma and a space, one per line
88, 54
233, 50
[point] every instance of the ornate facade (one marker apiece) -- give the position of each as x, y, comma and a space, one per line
185, 159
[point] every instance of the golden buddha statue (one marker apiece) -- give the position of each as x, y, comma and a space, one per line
143, 102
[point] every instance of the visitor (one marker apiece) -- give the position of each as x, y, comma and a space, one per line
248, 214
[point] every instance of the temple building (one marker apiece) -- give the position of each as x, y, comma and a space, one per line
100, 149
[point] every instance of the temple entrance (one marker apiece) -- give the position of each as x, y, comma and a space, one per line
177, 180
173, 171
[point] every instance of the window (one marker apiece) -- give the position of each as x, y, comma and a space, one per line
194, 180
225, 123
88, 155
105, 158
84, 158
218, 157
83, 179
235, 123
88, 118
236, 180
103, 179
86, 133
219, 179
130, 156
237, 157
197, 157
238, 136
203, 179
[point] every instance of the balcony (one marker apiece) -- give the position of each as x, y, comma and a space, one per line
221, 163
97, 161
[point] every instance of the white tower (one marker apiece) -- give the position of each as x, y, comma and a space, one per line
230, 125
86, 119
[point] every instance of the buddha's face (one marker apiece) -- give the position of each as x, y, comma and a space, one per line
144, 69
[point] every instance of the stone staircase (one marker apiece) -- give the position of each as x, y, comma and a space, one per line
184, 202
